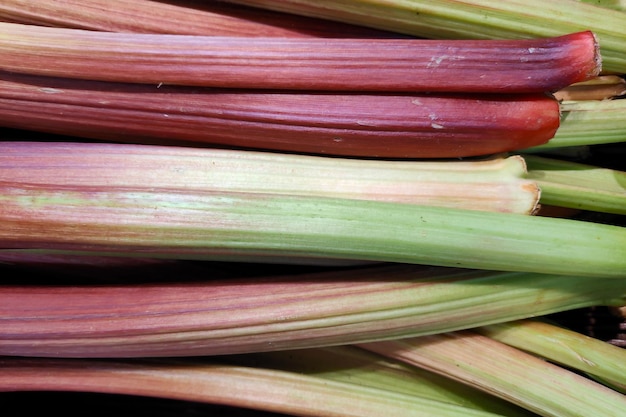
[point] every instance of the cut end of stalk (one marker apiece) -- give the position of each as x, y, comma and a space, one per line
582, 55
537, 207
597, 58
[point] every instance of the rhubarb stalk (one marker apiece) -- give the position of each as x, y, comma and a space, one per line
255, 388
185, 18
388, 65
588, 122
179, 223
358, 124
473, 19
546, 389
579, 186
491, 184
269, 313
566, 347
357, 366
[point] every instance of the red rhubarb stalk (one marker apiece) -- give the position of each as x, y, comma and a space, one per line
366, 125
406, 65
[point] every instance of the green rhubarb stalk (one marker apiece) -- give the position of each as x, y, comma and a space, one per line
227, 225
256, 388
609, 4
579, 186
532, 383
490, 184
566, 347
357, 366
588, 122
270, 313
475, 19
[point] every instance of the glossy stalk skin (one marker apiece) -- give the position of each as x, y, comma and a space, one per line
474, 19
382, 65
490, 184
359, 124
276, 312
213, 18
215, 383
532, 383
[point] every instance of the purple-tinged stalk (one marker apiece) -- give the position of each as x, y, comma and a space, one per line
507, 372
270, 313
358, 124
382, 65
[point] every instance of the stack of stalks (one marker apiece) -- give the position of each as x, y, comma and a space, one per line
331, 209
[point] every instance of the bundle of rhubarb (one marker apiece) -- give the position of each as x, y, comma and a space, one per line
332, 209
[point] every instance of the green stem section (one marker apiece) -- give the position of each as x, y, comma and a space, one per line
238, 225
260, 314
586, 354
356, 366
255, 388
588, 122
579, 186
476, 19
494, 367
609, 4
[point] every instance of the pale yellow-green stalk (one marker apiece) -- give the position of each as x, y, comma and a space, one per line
579, 186
573, 349
484, 363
